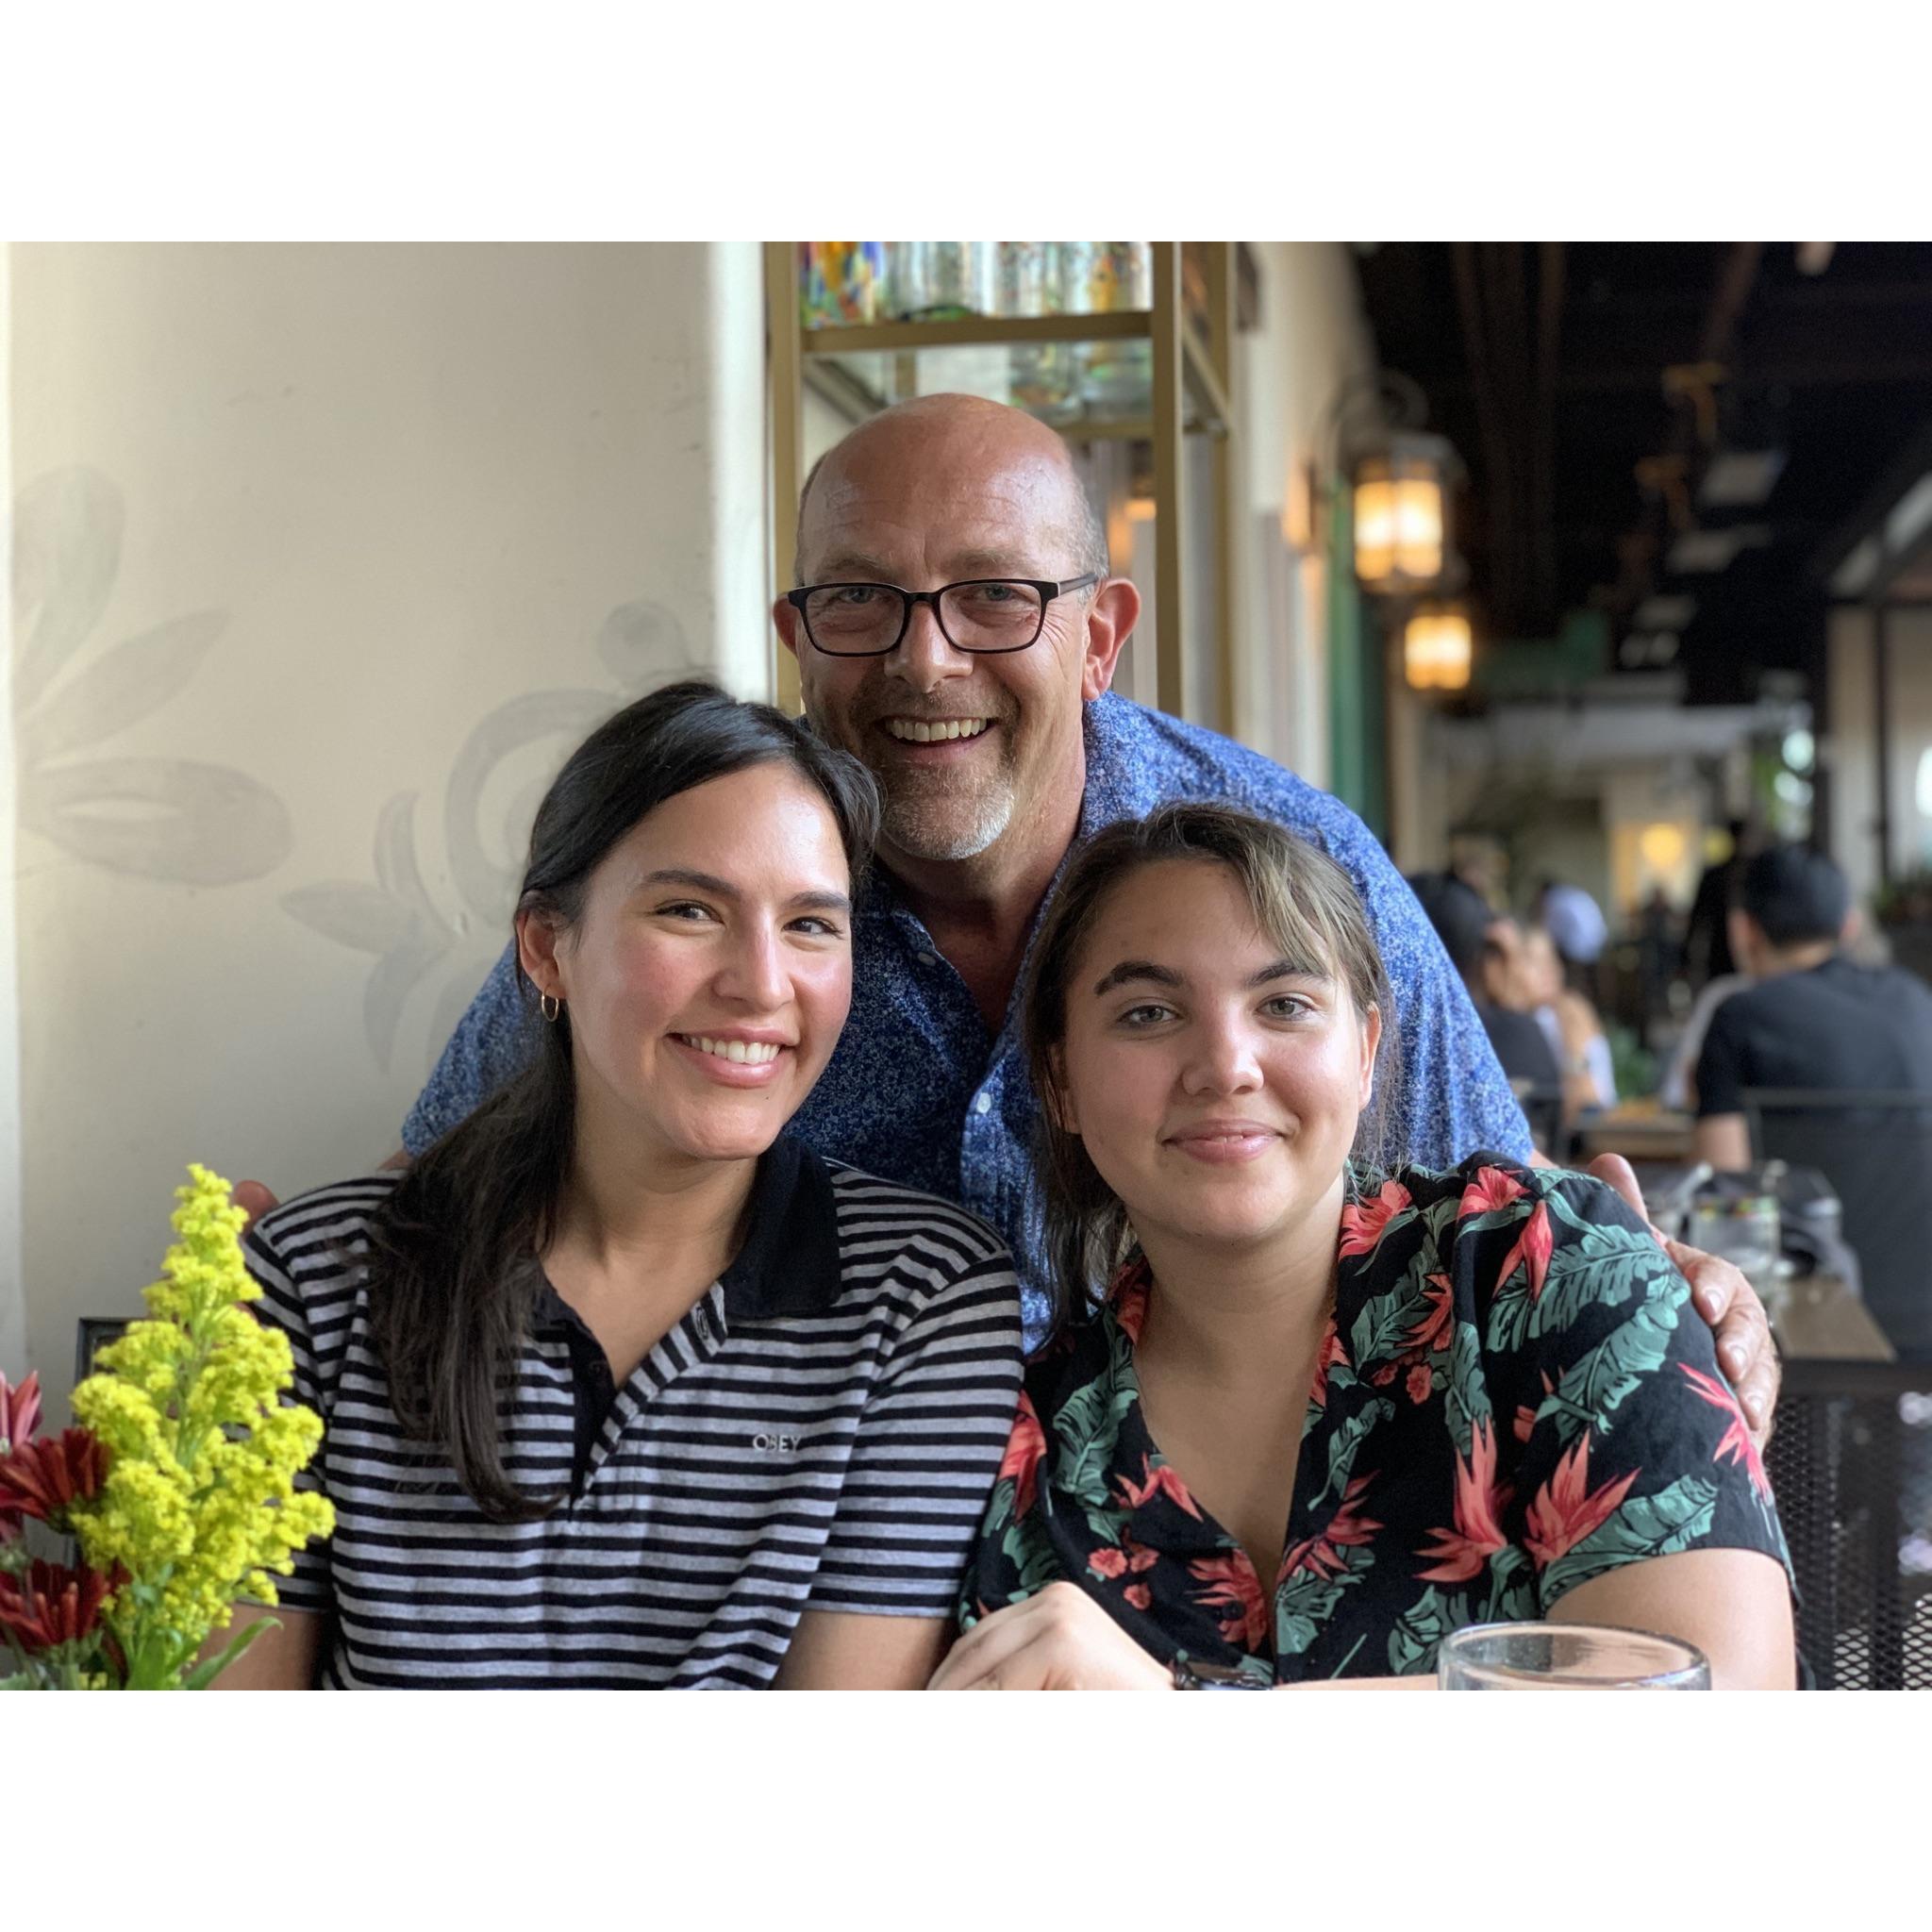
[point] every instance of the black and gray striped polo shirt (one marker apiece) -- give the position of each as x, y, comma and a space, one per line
820, 1432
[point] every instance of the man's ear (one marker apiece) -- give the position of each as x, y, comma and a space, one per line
1111, 620
785, 616
536, 937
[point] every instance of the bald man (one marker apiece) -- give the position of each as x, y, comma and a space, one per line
931, 541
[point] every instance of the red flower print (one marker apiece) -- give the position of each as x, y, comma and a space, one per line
1159, 1482
1431, 1334
1232, 1580
1140, 1558
1332, 1356
1533, 1249
1320, 1552
1479, 1504
1419, 1383
1364, 1223
1490, 1189
1525, 1416
1025, 1447
1108, 1562
42, 1478
1127, 1294
1385, 1373
1138, 1595
1564, 1511
1736, 1446
52, 1604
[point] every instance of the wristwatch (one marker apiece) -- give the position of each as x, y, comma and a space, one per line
1190, 1673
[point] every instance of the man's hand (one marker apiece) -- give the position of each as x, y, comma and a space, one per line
1726, 1300
255, 1198
1060, 1640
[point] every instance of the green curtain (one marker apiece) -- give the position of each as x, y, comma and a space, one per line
1358, 701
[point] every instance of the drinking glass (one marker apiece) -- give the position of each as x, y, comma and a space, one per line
1744, 1231
1566, 1657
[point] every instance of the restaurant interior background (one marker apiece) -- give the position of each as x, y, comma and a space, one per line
1554, 560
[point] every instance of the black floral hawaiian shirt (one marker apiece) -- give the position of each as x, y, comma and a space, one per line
1513, 1396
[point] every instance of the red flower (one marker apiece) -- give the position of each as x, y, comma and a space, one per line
1480, 1501
1431, 1334
1140, 1556
54, 1604
1419, 1383
1736, 1446
1525, 1416
1533, 1250
1127, 1293
1490, 1189
1320, 1552
1138, 1595
1364, 1223
1159, 1482
1564, 1511
42, 1478
1332, 1355
1025, 1447
20, 1412
1233, 1581
1108, 1562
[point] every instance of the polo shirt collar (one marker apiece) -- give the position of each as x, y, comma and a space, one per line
790, 1262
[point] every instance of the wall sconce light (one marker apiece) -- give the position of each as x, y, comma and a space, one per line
1403, 542
1436, 648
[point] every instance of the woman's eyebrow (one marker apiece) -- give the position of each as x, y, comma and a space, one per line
1289, 969
1138, 969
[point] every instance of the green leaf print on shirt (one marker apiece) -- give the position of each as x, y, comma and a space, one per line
1346, 1442
1598, 1381
1418, 1632
1641, 1526
1604, 1265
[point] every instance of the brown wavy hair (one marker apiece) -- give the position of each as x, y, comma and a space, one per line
1304, 903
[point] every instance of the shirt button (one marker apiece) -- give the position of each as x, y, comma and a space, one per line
927, 958
984, 1104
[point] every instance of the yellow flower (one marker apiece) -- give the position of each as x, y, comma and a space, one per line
200, 1501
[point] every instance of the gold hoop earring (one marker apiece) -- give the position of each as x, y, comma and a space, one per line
549, 1005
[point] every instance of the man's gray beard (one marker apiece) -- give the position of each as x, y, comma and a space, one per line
926, 825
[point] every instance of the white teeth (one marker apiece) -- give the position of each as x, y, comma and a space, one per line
751, 1052
916, 732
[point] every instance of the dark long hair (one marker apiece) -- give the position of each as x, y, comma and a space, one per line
1301, 899
455, 1280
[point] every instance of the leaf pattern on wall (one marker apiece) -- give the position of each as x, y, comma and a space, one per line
179, 820
396, 920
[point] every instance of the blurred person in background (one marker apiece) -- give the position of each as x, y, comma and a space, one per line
1812, 1018
1707, 952
1571, 1025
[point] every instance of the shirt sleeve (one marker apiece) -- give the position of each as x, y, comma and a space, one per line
1720, 1076
491, 1045
1632, 1444
309, 1587
928, 1448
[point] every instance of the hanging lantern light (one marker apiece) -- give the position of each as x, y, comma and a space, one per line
1437, 646
1402, 541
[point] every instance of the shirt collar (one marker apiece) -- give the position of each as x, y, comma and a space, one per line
790, 1262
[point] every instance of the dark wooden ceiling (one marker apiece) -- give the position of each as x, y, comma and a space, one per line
1545, 364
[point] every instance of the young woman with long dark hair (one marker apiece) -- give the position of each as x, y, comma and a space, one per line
1307, 1414
621, 1385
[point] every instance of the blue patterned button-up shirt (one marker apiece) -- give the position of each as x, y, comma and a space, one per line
917, 1093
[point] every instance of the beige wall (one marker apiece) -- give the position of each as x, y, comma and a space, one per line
1313, 335
327, 555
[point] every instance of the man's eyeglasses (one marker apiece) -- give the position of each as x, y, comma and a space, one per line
986, 615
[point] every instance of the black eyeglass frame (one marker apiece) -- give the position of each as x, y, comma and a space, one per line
1047, 589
